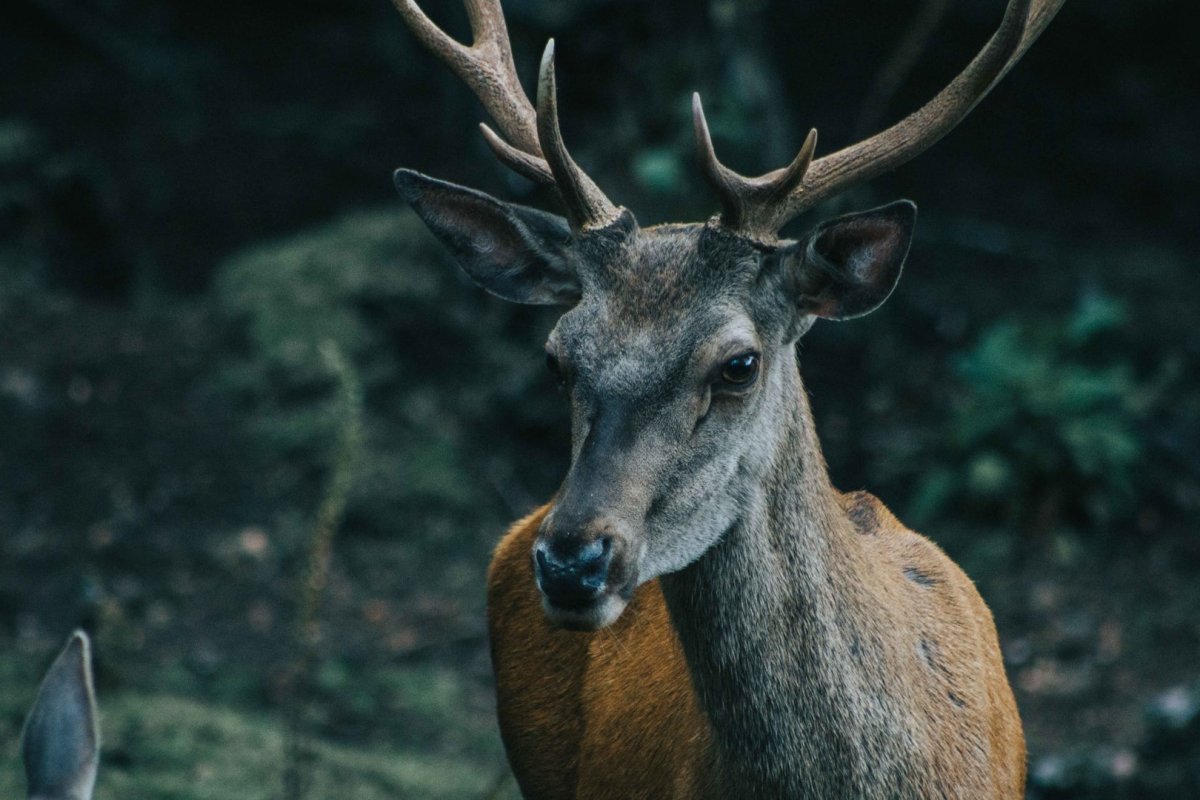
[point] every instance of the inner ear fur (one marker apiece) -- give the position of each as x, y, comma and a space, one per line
515, 252
849, 265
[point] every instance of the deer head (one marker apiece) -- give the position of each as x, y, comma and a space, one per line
677, 346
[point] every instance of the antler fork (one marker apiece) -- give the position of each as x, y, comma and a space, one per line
534, 146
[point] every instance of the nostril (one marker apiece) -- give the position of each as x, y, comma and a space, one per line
593, 571
595, 550
551, 564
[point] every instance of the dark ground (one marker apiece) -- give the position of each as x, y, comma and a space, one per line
193, 198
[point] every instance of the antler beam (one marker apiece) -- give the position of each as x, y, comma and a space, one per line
760, 206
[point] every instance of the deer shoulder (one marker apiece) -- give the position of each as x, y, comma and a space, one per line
948, 646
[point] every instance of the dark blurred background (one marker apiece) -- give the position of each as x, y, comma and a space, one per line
223, 339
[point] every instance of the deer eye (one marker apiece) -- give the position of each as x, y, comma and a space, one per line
740, 371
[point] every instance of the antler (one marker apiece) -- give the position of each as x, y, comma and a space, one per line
761, 206
537, 150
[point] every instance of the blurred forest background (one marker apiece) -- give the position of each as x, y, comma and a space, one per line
223, 338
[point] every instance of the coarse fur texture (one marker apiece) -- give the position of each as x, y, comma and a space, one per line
748, 630
698, 612
760, 635
616, 714
715, 619
574, 723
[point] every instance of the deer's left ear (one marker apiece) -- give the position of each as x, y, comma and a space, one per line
517, 253
849, 265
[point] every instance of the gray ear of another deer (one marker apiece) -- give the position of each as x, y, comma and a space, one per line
60, 744
849, 265
516, 253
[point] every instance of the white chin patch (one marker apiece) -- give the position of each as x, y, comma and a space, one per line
679, 550
599, 615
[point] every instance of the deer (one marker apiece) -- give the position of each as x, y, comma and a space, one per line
60, 743
698, 612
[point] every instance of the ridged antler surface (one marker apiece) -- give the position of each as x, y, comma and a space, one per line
760, 206
532, 143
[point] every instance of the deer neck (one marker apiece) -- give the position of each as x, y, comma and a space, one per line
782, 639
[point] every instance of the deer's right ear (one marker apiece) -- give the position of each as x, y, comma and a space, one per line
514, 252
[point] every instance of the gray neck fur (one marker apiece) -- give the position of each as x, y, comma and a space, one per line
786, 650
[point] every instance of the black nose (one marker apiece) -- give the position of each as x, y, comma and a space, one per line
571, 572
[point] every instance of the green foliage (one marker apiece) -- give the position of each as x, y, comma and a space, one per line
659, 169
299, 756
158, 746
167, 747
429, 352
18, 143
1048, 421
457, 420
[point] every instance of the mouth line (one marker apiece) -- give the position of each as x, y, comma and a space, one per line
623, 588
600, 613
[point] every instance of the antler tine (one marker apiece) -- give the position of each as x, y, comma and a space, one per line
1023, 22
586, 204
529, 166
744, 199
486, 66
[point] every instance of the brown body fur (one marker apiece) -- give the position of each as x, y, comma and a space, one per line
613, 713
573, 723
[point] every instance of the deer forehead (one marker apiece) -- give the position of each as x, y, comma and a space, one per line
662, 285
658, 312
666, 269
611, 351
